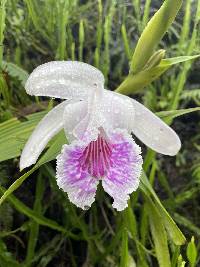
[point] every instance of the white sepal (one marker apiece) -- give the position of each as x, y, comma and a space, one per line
118, 110
64, 79
50, 125
153, 132
74, 114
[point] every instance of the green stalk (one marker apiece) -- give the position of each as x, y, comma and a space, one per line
107, 33
81, 40
124, 261
62, 22
136, 6
35, 18
145, 18
187, 65
126, 42
4, 91
73, 51
2, 28
34, 226
153, 172
186, 25
99, 35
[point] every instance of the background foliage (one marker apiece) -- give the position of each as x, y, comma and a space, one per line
39, 227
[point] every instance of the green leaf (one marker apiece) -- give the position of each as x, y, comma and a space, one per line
174, 232
153, 33
171, 114
159, 235
15, 71
124, 249
49, 155
51, 248
34, 226
192, 252
22, 208
14, 134
186, 223
6, 259
136, 82
126, 42
4, 91
130, 221
131, 261
17, 184
175, 255
168, 62
180, 262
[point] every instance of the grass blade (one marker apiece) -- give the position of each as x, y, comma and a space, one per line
159, 236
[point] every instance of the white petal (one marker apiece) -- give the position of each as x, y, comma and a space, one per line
118, 110
74, 114
50, 125
82, 120
64, 79
153, 132
111, 110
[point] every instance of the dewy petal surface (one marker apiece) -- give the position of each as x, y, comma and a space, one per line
77, 121
123, 175
64, 79
84, 117
153, 132
73, 179
50, 125
74, 113
118, 110
150, 129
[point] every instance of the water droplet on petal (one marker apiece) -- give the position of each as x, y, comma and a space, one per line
156, 138
61, 81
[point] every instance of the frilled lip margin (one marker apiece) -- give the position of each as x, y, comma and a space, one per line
114, 159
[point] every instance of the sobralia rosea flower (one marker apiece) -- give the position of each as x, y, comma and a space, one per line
98, 124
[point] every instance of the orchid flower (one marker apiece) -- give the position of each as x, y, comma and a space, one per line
98, 124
